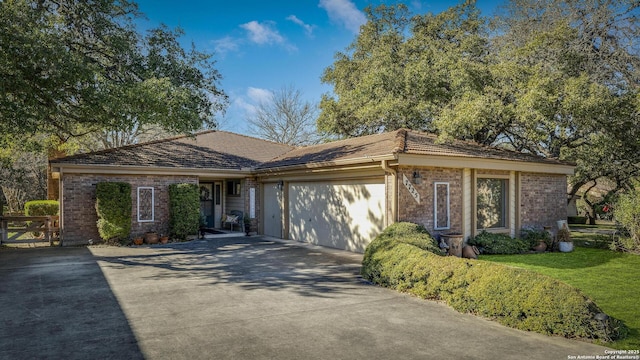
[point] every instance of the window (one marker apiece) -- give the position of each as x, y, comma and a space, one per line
491, 203
146, 204
233, 187
441, 207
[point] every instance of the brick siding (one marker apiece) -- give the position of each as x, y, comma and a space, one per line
543, 199
422, 213
78, 207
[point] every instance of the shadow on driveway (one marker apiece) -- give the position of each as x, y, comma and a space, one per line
56, 304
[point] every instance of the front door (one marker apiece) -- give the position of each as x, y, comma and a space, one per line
206, 204
211, 203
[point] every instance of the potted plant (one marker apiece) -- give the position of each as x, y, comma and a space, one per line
138, 240
164, 239
539, 240
247, 225
151, 237
564, 240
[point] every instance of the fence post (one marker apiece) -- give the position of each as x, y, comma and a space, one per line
47, 229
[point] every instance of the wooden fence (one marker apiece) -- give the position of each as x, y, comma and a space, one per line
18, 225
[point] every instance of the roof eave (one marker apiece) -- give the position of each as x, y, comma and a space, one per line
58, 168
463, 162
365, 161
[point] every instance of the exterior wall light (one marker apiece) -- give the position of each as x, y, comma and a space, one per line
417, 178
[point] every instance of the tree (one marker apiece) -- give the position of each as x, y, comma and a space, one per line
555, 78
74, 67
285, 118
586, 70
403, 72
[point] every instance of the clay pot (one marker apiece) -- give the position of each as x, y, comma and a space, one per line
470, 252
541, 247
164, 239
455, 243
137, 241
151, 238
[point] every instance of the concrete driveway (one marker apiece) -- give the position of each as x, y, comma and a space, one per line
233, 298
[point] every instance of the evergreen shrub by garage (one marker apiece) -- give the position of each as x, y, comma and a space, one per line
514, 297
113, 205
184, 210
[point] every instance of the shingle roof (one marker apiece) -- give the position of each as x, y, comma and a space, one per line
426, 144
399, 141
225, 150
353, 148
206, 150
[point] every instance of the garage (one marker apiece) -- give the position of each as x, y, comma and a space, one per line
341, 214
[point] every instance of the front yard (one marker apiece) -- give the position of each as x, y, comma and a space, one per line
611, 279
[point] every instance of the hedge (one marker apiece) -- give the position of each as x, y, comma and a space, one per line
113, 205
514, 297
41, 207
184, 210
496, 243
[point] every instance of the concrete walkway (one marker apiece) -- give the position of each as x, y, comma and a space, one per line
233, 298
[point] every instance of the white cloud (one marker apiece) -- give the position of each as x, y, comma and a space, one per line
263, 33
225, 45
345, 13
307, 28
258, 95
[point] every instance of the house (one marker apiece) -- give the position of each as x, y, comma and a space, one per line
338, 194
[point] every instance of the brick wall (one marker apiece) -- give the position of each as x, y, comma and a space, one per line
543, 199
410, 210
79, 191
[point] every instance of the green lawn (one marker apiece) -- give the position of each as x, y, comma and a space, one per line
611, 279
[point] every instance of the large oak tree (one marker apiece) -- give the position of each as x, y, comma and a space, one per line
72, 67
555, 78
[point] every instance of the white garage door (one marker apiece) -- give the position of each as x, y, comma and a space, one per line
344, 215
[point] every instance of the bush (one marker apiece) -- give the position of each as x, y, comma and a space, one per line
627, 213
113, 205
533, 236
492, 243
184, 210
41, 208
514, 297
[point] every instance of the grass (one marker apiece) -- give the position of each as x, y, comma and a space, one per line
611, 279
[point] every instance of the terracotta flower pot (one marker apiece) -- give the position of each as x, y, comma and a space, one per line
151, 238
137, 241
164, 239
470, 252
541, 247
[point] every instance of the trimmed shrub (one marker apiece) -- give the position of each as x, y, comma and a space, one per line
41, 208
113, 205
492, 243
533, 236
184, 210
514, 297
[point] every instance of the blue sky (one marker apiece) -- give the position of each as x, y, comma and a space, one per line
261, 46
